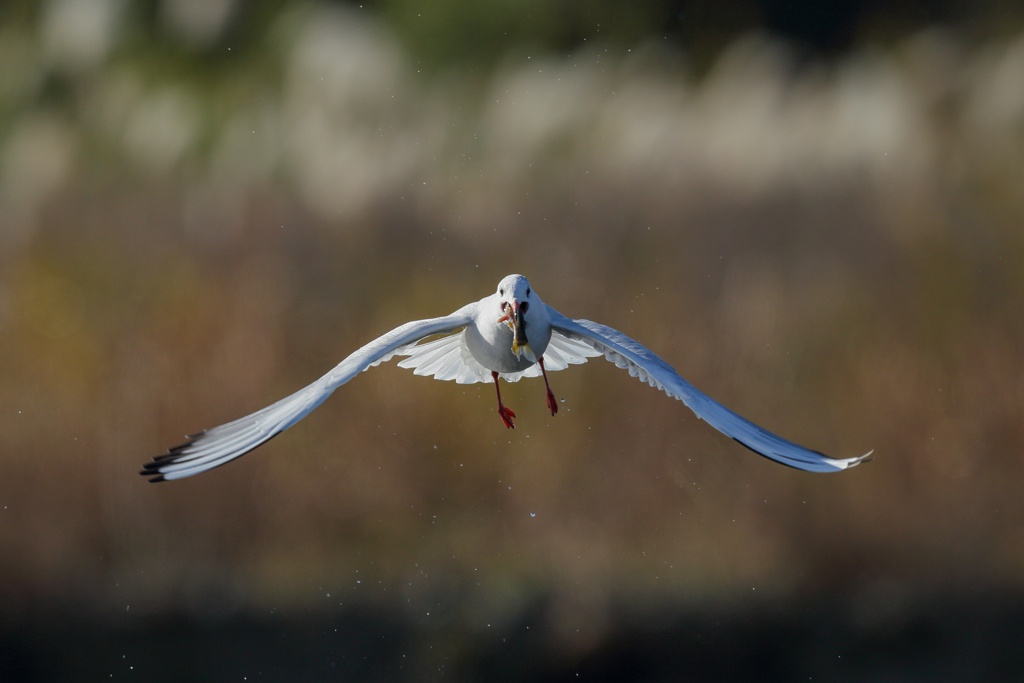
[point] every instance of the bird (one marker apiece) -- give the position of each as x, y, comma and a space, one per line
509, 335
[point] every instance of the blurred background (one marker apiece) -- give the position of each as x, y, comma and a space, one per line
812, 210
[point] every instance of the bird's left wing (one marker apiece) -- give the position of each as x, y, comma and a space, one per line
214, 447
644, 364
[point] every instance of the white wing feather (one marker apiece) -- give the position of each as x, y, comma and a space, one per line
447, 357
214, 447
648, 367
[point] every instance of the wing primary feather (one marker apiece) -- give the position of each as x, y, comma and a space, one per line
648, 367
214, 447
754, 450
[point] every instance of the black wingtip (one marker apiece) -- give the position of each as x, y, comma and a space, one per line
150, 470
781, 462
750, 448
172, 454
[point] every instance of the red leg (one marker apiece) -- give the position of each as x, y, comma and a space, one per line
504, 413
552, 405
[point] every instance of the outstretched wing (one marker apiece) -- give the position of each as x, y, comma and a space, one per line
642, 363
214, 447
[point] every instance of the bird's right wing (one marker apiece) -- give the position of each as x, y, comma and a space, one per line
648, 367
214, 447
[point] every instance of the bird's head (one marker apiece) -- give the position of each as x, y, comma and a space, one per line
518, 306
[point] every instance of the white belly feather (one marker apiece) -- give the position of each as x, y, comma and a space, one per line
491, 346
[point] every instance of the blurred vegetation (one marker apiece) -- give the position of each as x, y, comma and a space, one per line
483, 33
815, 216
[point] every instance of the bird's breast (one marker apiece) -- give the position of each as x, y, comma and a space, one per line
491, 346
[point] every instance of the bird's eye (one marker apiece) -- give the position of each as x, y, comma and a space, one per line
524, 307
501, 292
527, 291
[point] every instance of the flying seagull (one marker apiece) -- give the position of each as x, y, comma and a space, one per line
510, 334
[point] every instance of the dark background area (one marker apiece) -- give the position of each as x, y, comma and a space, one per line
811, 210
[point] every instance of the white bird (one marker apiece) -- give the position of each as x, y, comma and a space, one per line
509, 335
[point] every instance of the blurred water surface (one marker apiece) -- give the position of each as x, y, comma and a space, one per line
206, 205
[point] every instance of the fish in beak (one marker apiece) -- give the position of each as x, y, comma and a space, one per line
514, 318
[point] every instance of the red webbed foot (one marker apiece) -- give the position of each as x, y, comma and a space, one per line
506, 416
504, 413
